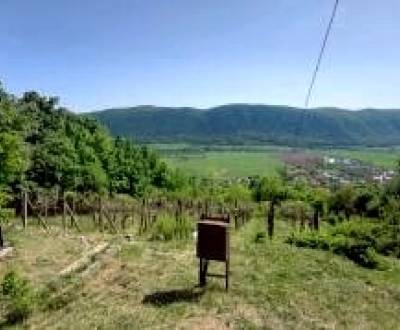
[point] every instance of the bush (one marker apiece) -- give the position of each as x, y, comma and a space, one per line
361, 241
254, 232
258, 233
331, 219
19, 297
260, 236
309, 240
167, 228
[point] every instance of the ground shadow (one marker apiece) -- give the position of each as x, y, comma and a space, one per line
161, 298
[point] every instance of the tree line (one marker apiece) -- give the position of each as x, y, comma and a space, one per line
45, 145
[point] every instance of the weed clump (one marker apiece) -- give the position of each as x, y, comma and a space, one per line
254, 232
167, 228
19, 297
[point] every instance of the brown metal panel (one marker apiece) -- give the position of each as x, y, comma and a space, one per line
213, 240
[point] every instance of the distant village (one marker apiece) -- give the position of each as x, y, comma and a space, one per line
332, 170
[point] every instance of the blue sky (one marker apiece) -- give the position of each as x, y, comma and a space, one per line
95, 54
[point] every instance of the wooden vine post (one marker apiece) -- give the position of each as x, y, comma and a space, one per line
1, 238
36, 213
207, 207
100, 214
24, 209
270, 219
46, 206
64, 214
316, 220
179, 211
236, 214
142, 217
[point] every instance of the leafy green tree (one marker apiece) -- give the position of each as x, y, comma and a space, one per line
393, 188
342, 201
4, 214
236, 192
12, 154
53, 162
12, 151
48, 146
12, 158
366, 201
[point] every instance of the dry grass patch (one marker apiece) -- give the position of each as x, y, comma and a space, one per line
207, 322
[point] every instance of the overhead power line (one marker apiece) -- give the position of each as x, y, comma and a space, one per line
321, 54
299, 126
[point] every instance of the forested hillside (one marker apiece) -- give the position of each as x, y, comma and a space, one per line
243, 124
43, 145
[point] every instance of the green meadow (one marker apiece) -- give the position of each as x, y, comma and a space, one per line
244, 161
227, 163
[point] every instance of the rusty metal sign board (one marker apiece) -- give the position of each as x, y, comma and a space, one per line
213, 245
213, 240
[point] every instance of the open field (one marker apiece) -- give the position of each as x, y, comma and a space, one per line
227, 163
243, 161
146, 284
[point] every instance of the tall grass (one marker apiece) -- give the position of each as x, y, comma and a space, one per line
168, 228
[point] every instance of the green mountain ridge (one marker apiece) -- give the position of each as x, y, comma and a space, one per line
254, 123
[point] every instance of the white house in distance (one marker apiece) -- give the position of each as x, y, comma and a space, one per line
384, 176
329, 160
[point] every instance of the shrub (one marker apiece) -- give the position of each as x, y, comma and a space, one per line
236, 192
309, 240
167, 228
260, 236
258, 233
19, 297
362, 241
254, 232
331, 219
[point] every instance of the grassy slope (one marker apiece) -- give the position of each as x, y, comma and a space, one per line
273, 285
228, 163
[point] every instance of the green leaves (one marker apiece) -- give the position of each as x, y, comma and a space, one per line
45, 146
12, 157
20, 297
4, 213
12, 148
270, 189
